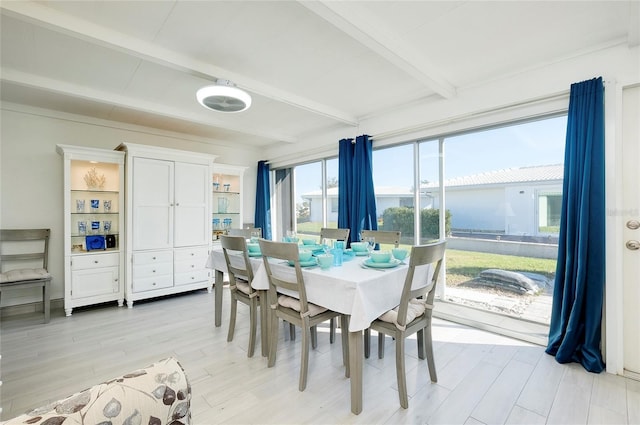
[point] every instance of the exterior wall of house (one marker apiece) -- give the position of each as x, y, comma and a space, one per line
479, 209
510, 209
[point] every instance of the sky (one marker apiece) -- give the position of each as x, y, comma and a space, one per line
534, 143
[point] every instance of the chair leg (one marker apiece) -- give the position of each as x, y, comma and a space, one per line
400, 371
367, 342
314, 337
304, 361
273, 340
380, 345
46, 300
421, 344
332, 330
232, 316
292, 331
253, 325
429, 352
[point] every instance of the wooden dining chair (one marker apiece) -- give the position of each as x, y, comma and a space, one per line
339, 235
413, 314
24, 259
391, 237
297, 311
385, 237
240, 278
246, 233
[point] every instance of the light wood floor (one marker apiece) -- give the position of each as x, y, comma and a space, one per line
482, 378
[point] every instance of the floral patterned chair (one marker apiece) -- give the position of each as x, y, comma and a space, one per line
157, 395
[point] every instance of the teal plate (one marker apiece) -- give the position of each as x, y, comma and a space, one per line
255, 254
309, 263
391, 264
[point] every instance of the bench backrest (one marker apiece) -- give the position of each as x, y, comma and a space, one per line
19, 246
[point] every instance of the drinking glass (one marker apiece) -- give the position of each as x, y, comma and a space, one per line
371, 243
255, 235
327, 244
291, 236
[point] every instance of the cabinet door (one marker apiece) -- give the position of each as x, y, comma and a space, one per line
94, 282
191, 204
152, 201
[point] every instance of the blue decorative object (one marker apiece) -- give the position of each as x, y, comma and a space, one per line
94, 242
576, 316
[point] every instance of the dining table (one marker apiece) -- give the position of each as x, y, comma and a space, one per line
361, 292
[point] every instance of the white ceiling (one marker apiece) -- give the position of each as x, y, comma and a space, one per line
310, 66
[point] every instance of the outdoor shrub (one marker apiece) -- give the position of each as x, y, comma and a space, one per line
401, 218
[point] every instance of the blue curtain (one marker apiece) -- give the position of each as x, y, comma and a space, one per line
263, 200
574, 332
356, 196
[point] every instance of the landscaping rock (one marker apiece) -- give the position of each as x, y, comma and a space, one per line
517, 282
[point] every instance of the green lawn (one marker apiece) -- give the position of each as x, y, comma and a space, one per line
465, 265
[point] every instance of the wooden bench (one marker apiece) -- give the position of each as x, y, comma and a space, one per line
23, 262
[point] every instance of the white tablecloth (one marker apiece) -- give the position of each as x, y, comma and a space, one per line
364, 294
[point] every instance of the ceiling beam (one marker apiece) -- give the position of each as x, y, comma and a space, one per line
106, 97
374, 34
81, 29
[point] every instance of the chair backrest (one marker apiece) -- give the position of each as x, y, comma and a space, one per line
19, 247
289, 252
383, 236
246, 233
337, 234
234, 245
421, 257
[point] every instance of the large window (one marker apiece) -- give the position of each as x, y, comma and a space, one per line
495, 194
312, 193
393, 179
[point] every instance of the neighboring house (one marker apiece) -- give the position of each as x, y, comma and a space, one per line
523, 201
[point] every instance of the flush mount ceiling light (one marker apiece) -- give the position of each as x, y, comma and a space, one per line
224, 96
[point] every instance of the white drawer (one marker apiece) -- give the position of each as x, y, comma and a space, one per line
152, 257
190, 265
79, 262
150, 270
151, 283
184, 254
191, 277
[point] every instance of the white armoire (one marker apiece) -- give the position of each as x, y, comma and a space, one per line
167, 221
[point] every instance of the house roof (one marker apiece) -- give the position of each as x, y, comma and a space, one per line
532, 174
536, 173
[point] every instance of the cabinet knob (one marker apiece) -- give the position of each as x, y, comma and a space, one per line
153, 258
95, 261
193, 265
153, 284
153, 271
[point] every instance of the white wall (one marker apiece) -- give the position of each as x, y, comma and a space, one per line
31, 174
